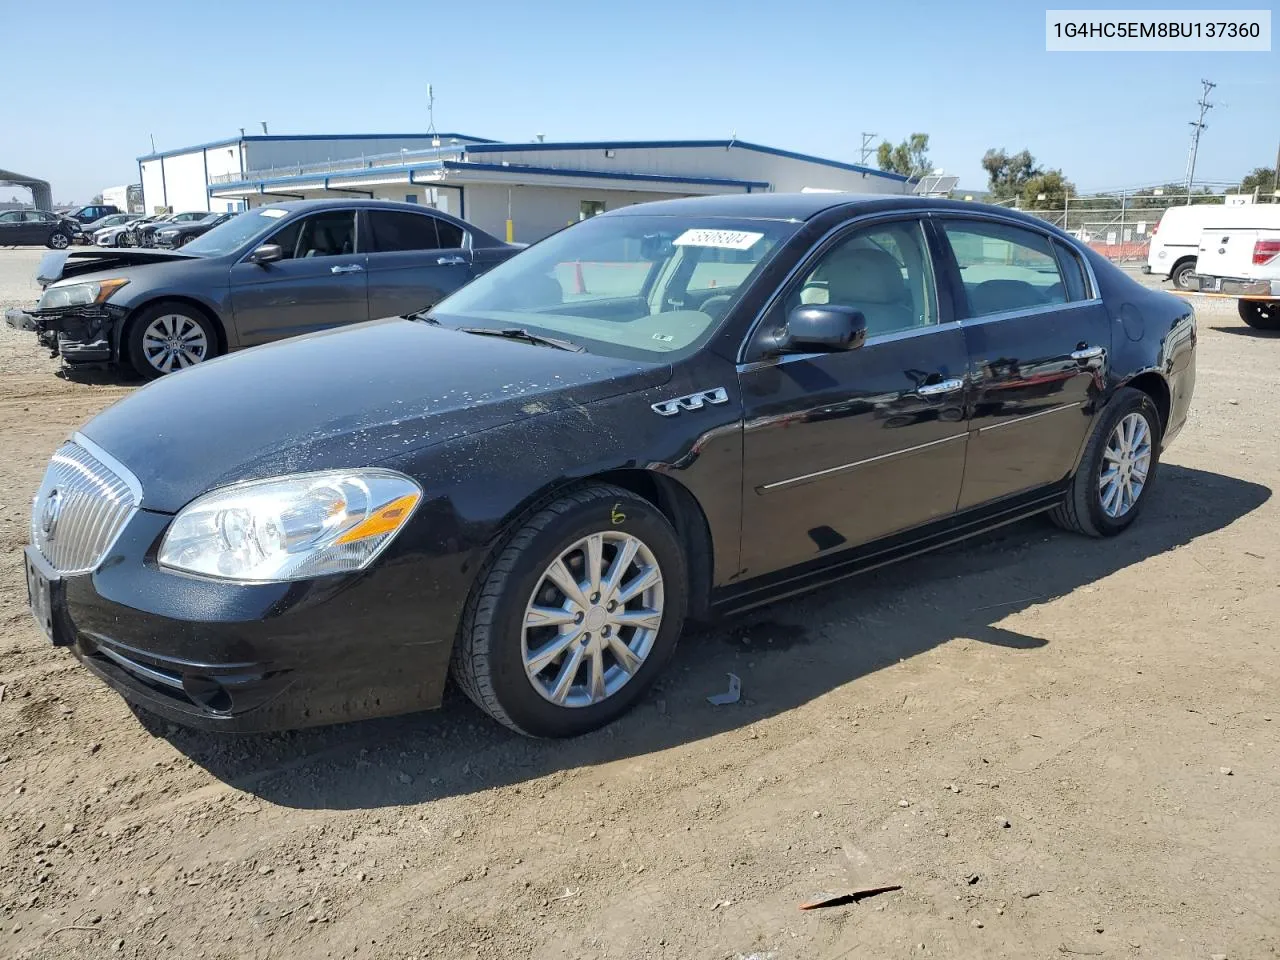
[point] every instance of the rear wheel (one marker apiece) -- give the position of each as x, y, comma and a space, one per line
1260, 314
1117, 469
576, 616
168, 337
1183, 275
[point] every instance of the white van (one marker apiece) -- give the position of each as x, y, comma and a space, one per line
1175, 241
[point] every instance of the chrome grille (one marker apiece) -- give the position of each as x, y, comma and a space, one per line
83, 503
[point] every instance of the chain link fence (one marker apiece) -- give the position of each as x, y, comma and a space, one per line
1119, 227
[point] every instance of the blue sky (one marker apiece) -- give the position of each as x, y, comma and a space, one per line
806, 75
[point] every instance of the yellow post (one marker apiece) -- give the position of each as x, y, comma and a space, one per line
511, 231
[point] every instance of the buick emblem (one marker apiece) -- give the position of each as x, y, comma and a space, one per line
49, 513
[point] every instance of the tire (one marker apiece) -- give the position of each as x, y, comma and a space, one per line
1085, 509
157, 332
1182, 275
490, 655
58, 240
1260, 314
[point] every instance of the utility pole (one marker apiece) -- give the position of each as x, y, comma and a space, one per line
867, 149
1197, 127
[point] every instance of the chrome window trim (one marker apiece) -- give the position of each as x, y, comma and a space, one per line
818, 474
851, 224
1030, 416
896, 335
1027, 312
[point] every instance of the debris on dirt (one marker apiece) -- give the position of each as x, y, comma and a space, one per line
1080, 950
732, 695
976, 924
954, 788
972, 878
1003, 823
904, 803
1225, 771
854, 896
1217, 956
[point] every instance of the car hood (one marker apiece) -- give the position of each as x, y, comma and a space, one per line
86, 264
343, 398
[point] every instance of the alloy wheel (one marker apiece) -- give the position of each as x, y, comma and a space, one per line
1126, 460
592, 619
174, 342
58, 241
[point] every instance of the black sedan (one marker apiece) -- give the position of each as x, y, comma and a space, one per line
36, 227
171, 236
144, 234
672, 411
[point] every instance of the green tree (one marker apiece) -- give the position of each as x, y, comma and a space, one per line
1008, 175
909, 158
1263, 179
1050, 185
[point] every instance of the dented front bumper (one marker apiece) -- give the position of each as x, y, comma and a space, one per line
78, 334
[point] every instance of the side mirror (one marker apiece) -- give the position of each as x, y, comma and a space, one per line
822, 328
267, 253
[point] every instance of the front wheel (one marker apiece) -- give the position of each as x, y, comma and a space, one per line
1260, 314
574, 619
58, 240
1117, 470
169, 337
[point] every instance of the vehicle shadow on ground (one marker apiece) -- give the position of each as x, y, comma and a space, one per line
786, 655
1249, 332
98, 375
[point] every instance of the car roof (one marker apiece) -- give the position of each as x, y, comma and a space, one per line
801, 206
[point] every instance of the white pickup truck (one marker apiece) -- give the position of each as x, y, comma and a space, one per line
1244, 263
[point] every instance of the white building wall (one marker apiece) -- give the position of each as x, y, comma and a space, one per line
185, 183
786, 174
117, 197
538, 211
267, 154
153, 193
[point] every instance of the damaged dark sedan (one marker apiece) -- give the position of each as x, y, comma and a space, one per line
268, 273
663, 413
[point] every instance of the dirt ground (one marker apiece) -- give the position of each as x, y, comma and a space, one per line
1056, 747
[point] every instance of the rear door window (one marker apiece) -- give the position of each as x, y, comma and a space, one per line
394, 230
1004, 268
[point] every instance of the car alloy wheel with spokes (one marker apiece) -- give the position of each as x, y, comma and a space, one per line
592, 619
59, 241
173, 341
1125, 463
575, 614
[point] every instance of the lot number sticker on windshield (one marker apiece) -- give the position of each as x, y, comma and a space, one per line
726, 239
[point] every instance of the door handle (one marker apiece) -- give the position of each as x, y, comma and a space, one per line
939, 388
348, 268
451, 261
1087, 353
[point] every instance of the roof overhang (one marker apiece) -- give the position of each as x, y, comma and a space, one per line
458, 172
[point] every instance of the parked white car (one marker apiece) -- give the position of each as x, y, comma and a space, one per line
1175, 241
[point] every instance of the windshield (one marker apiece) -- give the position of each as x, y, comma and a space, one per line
640, 287
230, 236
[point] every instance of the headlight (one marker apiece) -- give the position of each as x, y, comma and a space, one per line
79, 294
290, 528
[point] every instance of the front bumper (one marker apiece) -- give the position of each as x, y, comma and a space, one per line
1234, 287
260, 657
78, 335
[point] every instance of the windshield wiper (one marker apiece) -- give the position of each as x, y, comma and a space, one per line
423, 315
518, 333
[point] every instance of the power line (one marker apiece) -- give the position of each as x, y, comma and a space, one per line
1197, 127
